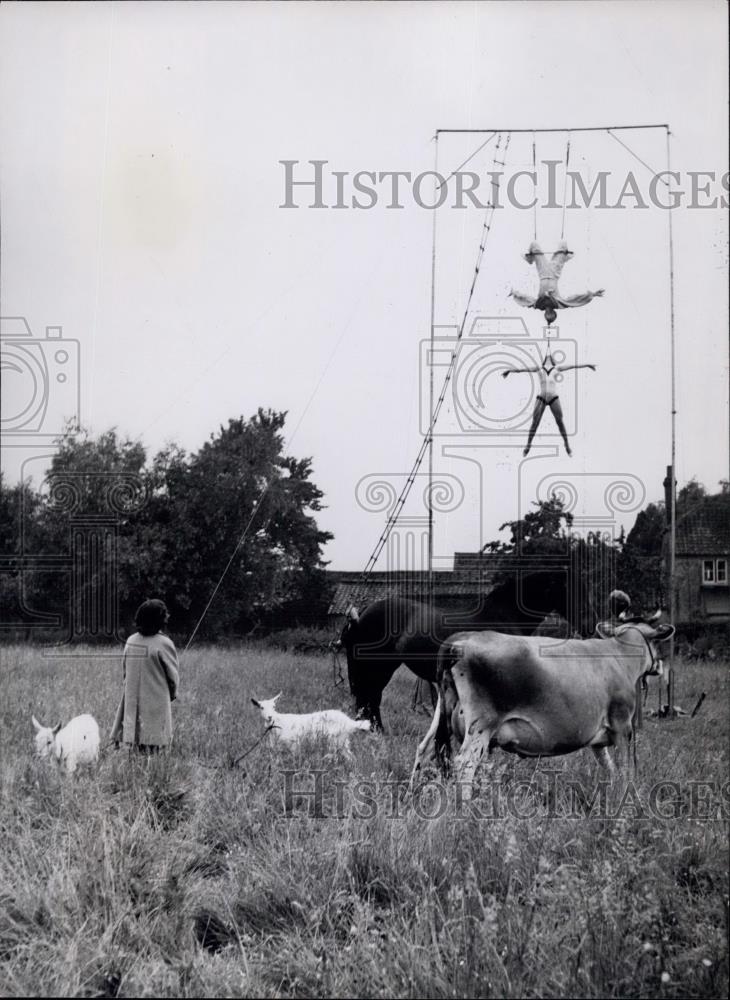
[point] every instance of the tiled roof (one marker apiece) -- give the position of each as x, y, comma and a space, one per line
488, 563
350, 588
705, 530
476, 560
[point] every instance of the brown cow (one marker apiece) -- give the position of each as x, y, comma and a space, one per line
538, 697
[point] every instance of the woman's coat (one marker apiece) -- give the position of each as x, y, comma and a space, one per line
151, 679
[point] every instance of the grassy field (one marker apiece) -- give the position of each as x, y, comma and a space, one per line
186, 876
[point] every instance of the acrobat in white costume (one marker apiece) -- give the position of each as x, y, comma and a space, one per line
549, 298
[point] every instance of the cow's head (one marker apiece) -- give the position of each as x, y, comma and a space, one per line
624, 616
656, 636
607, 629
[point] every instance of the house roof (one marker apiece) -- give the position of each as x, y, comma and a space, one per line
351, 589
472, 561
705, 529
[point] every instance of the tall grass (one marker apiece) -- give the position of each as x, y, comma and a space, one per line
186, 876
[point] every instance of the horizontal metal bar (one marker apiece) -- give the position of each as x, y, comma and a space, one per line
591, 128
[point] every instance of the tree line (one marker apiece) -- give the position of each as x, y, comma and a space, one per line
229, 534
596, 563
239, 509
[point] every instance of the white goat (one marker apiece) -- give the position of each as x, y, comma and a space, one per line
76, 743
331, 723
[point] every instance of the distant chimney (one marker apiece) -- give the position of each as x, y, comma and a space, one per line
668, 487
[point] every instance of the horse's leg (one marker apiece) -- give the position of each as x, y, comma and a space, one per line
369, 682
376, 721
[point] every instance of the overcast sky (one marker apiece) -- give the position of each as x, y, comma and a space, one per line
141, 188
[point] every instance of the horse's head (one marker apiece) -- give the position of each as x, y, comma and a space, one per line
347, 641
365, 678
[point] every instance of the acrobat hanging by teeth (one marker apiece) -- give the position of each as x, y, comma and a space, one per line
549, 298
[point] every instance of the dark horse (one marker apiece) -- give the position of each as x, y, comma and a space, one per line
395, 631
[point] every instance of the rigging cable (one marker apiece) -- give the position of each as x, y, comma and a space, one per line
428, 437
565, 185
467, 160
534, 204
637, 157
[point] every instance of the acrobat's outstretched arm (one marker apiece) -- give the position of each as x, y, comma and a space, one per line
518, 371
581, 299
567, 368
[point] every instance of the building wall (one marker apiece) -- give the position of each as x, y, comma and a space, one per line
695, 599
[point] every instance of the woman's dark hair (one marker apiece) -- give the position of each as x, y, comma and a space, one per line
150, 617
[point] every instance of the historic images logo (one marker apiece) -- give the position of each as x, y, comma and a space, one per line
41, 401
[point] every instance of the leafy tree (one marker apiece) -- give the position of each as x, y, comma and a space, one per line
19, 535
542, 531
540, 554
640, 565
92, 482
231, 526
246, 511
551, 550
648, 531
691, 495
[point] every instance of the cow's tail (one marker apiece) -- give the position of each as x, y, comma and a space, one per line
427, 744
449, 654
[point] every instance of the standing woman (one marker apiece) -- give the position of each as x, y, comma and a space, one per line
144, 717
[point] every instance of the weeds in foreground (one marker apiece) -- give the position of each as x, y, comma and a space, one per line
182, 875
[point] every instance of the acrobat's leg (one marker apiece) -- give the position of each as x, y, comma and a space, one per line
536, 418
558, 414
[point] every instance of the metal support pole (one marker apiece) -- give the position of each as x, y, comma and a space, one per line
430, 403
673, 476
